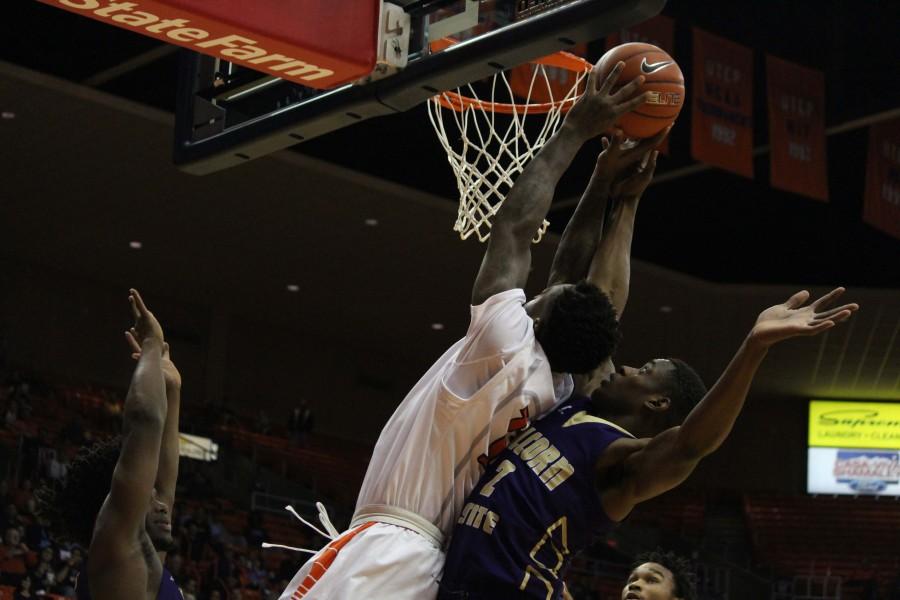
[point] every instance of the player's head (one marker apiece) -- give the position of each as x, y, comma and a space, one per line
655, 397
72, 505
576, 326
660, 576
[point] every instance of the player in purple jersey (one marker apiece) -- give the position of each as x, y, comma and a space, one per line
118, 496
584, 467
660, 576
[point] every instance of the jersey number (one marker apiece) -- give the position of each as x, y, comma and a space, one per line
557, 535
503, 469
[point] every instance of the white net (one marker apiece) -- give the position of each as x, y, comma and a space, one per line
489, 142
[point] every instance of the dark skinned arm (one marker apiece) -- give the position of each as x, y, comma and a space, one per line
507, 260
583, 231
616, 164
167, 470
116, 565
670, 457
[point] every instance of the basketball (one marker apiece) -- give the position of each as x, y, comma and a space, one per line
662, 77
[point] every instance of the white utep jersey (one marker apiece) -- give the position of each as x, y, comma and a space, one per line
489, 384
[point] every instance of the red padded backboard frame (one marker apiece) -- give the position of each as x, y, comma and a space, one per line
317, 43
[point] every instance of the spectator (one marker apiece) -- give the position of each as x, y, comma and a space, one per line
11, 417
11, 517
189, 591
43, 576
14, 556
58, 466
67, 574
257, 576
175, 565
24, 591
37, 533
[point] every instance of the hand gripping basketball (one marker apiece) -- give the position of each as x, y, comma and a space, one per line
663, 81
599, 107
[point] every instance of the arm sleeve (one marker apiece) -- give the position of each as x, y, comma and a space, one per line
498, 326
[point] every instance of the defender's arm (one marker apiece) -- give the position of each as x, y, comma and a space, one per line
670, 457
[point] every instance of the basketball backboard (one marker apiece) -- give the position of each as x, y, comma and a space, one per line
228, 114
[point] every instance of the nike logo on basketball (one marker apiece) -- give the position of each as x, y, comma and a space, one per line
648, 68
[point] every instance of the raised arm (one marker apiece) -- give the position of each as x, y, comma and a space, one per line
634, 165
616, 165
167, 472
122, 515
507, 259
670, 457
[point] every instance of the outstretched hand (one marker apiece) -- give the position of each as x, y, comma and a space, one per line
170, 371
792, 319
598, 109
145, 324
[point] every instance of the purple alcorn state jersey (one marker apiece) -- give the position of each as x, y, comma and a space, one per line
536, 506
168, 589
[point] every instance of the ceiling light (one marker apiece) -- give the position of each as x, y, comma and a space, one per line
135, 245
371, 222
665, 309
437, 326
293, 288
6, 114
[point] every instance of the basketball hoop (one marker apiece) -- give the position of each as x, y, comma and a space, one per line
489, 153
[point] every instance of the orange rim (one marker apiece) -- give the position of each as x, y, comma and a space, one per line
562, 60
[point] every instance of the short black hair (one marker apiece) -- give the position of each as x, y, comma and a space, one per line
581, 329
71, 505
685, 389
681, 568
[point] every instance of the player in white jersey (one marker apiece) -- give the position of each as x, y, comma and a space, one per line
486, 386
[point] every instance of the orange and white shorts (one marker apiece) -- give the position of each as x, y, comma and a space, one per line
372, 561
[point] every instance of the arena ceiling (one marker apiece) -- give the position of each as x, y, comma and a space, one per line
86, 170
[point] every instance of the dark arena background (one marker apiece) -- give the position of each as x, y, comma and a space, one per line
304, 293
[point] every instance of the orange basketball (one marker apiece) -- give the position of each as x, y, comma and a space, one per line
662, 77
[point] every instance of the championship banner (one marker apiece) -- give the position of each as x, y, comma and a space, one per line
659, 31
881, 206
722, 115
797, 128
317, 43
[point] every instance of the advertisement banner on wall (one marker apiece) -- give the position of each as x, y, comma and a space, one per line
839, 424
853, 471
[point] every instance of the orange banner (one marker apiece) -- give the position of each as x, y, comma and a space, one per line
881, 207
659, 31
317, 43
797, 128
722, 115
